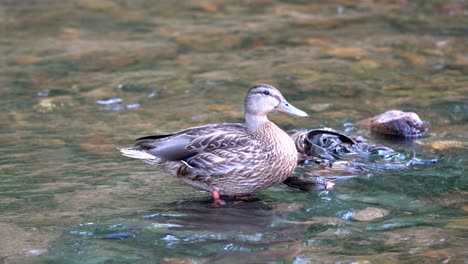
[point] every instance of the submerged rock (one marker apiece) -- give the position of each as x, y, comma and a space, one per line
369, 214
309, 183
98, 5
120, 235
321, 220
447, 144
28, 60
346, 52
180, 261
46, 105
287, 207
96, 145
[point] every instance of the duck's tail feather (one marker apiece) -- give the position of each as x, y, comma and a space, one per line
136, 153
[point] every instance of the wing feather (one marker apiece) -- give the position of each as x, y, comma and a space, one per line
187, 143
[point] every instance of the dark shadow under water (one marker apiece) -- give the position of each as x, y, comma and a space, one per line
245, 216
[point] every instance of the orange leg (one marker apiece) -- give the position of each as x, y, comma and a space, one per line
217, 201
329, 185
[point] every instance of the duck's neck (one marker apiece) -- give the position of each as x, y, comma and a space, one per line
255, 123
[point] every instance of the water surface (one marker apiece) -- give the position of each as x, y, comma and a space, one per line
81, 78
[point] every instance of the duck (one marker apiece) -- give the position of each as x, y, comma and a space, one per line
228, 159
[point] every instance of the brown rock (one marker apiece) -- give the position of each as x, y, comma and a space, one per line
20, 117
287, 207
461, 59
98, 5
183, 61
28, 60
51, 143
193, 42
220, 107
209, 42
229, 41
97, 145
318, 41
167, 32
129, 15
398, 123
369, 64
70, 33
46, 105
415, 59
452, 8
369, 214
256, 42
346, 53
208, 7
179, 261
453, 198
288, 253
391, 63
460, 223
120, 61
447, 144
441, 255
74, 88
316, 21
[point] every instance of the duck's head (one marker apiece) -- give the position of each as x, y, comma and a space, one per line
264, 98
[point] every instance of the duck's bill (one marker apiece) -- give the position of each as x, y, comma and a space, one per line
288, 108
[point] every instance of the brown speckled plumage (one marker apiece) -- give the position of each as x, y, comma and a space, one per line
231, 158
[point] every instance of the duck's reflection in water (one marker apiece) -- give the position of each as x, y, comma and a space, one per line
245, 216
244, 230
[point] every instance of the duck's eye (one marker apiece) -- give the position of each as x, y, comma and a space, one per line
266, 92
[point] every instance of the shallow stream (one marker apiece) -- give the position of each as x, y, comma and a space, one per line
79, 79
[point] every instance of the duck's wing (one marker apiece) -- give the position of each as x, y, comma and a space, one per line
167, 147
187, 143
221, 139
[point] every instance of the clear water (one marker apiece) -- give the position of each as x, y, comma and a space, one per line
67, 196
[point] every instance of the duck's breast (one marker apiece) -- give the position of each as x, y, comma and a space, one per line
281, 153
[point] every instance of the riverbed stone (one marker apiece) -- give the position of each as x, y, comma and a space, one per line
98, 5
179, 261
70, 33
323, 220
18, 243
460, 223
318, 41
287, 207
46, 105
212, 42
370, 214
345, 52
208, 7
414, 58
447, 144
97, 145
28, 60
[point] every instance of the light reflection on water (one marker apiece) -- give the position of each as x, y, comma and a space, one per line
80, 79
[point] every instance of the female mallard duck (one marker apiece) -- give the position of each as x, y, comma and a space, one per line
228, 159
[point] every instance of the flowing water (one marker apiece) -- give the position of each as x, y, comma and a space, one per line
81, 78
